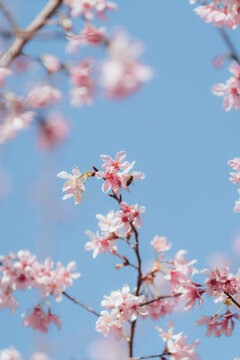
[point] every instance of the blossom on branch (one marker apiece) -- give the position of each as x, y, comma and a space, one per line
220, 12
176, 345
74, 186
231, 89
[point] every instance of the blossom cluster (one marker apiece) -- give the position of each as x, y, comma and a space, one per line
176, 345
117, 174
220, 12
22, 271
231, 89
124, 307
235, 179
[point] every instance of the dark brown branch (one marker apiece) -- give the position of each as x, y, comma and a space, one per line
159, 298
26, 35
150, 357
88, 308
232, 299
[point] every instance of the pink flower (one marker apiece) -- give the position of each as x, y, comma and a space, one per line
4, 72
87, 8
218, 280
43, 95
74, 186
159, 243
39, 320
52, 131
51, 63
55, 282
191, 292
127, 304
230, 90
116, 164
114, 178
176, 344
99, 243
109, 323
88, 36
17, 117
82, 93
10, 354
109, 223
219, 324
130, 214
122, 74
235, 164
222, 12
160, 308
112, 181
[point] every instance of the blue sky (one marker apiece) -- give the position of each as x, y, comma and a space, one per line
179, 136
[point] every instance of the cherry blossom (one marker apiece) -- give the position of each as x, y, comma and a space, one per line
159, 243
39, 320
43, 95
82, 93
74, 186
99, 243
87, 8
231, 89
220, 12
52, 131
122, 73
17, 117
109, 223
88, 36
10, 353
124, 306
130, 214
218, 325
51, 63
109, 323
176, 345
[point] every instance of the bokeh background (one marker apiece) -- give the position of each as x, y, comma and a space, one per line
180, 137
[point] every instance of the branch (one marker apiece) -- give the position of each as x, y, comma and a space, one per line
26, 35
9, 17
229, 43
88, 308
159, 298
139, 283
150, 356
45, 35
233, 300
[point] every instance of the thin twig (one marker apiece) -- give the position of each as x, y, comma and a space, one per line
44, 35
233, 300
88, 308
159, 298
229, 43
9, 17
149, 357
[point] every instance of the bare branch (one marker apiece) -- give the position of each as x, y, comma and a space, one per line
88, 308
26, 35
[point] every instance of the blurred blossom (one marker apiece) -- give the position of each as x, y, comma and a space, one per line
52, 131
122, 73
236, 245
40, 356
106, 349
219, 260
